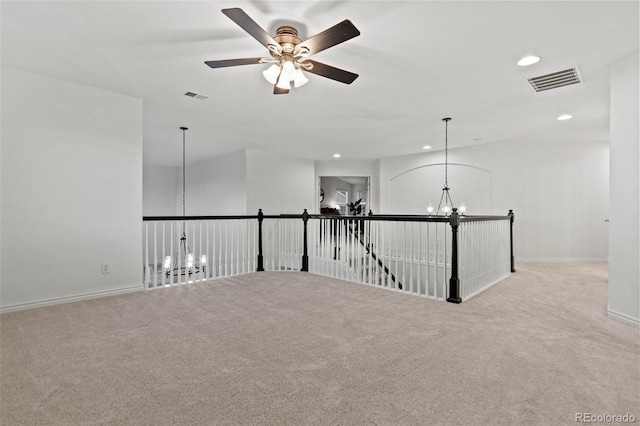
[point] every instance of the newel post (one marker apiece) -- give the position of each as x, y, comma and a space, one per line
511, 219
305, 254
454, 281
260, 259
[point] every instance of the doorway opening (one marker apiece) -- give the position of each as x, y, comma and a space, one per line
344, 195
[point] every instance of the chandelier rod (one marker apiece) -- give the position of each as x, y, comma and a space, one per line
190, 266
446, 151
184, 129
445, 191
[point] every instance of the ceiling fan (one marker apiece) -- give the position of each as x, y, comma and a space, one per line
289, 54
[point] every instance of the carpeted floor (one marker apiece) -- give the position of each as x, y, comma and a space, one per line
296, 349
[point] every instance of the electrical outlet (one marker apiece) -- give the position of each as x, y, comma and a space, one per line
106, 269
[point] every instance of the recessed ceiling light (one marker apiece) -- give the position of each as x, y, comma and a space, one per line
528, 60
426, 147
564, 117
336, 155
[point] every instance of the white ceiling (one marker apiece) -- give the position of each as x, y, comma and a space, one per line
418, 61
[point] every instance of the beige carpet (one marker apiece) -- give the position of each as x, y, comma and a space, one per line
296, 349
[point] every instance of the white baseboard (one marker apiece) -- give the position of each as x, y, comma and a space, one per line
67, 299
623, 318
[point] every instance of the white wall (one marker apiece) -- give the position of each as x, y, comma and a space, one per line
411, 191
216, 187
237, 184
213, 187
161, 184
279, 183
558, 191
71, 191
624, 238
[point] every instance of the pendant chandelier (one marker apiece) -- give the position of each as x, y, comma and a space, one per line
184, 263
445, 206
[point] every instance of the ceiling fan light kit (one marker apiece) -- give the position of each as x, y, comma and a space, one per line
289, 54
272, 73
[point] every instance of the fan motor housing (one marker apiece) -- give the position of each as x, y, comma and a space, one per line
287, 37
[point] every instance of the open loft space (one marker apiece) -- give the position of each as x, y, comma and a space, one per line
349, 212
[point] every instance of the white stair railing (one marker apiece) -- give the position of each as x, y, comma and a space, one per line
282, 243
484, 255
444, 258
185, 250
406, 256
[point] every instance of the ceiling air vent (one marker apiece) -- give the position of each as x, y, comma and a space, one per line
196, 95
555, 80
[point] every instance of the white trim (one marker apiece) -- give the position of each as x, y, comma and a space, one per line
67, 299
623, 318
475, 293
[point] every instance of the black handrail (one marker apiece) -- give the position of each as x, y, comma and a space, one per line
465, 218
224, 217
387, 218
392, 218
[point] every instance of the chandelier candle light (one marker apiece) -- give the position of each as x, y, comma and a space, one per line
184, 262
447, 207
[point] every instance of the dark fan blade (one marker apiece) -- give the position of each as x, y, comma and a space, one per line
337, 34
279, 91
330, 72
238, 16
233, 62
